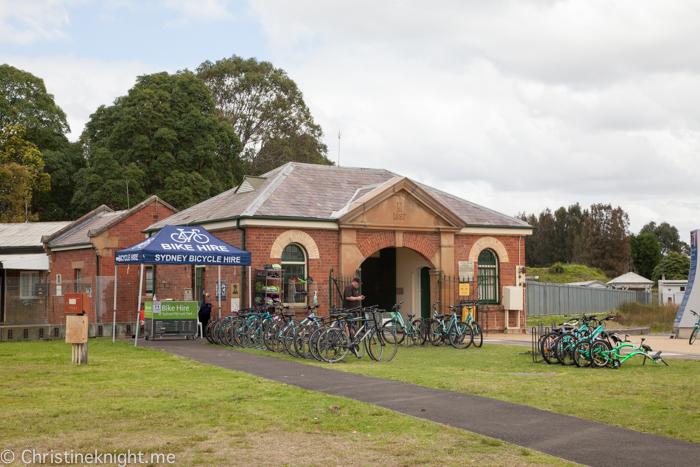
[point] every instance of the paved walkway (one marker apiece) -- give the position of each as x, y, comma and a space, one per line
574, 439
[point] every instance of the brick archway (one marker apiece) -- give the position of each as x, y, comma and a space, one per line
298, 237
376, 242
488, 242
421, 244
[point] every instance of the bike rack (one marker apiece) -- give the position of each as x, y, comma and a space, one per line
537, 333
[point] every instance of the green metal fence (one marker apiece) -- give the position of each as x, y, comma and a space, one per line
337, 284
454, 290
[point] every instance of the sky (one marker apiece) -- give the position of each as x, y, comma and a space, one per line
515, 105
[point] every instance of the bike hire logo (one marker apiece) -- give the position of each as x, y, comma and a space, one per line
191, 240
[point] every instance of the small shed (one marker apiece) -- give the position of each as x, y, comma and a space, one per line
671, 292
631, 281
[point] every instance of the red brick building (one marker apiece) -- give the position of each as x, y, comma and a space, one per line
82, 260
410, 242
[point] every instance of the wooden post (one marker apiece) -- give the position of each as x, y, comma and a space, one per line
77, 334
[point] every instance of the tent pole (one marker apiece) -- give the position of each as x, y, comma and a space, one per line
250, 286
114, 317
138, 308
220, 292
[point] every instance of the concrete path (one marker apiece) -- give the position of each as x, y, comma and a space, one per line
574, 439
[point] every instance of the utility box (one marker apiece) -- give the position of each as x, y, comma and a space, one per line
513, 298
76, 329
77, 303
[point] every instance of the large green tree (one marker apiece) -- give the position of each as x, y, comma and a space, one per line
645, 251
668, 238
163, 138
674, 266
268, 112
25, 101
21, 174
606, 239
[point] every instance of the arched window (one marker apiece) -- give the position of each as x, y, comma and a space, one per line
488, 277
294, 271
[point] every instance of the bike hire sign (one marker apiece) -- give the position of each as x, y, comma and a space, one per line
183, 245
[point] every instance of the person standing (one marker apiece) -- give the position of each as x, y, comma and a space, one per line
352, 296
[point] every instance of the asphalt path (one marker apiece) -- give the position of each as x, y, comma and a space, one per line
575, 439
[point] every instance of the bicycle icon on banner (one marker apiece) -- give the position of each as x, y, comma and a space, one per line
185, 236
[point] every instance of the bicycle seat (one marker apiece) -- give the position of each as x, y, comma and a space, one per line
289, 315
647, 348
440, 316
556, 329
410, 315
656, 355
568, 328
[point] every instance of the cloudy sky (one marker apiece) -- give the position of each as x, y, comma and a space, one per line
516, 105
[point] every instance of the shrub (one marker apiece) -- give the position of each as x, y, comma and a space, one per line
658, 317
556, 268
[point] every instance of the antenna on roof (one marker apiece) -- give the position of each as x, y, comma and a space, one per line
339, 133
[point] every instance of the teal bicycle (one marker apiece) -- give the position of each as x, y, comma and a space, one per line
447, 328
409, 332
694, 333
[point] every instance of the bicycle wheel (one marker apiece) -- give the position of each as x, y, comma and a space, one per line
693, 335
565, 349
333, 345
357, 349
288, 341
374, 346
422, 335
548, 348
582, 354
600, 354
435, 336
388, 349
460, 335
396, 329
313, 343
269, 335
477, 334
301, 341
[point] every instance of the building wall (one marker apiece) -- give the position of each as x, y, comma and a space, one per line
122, 235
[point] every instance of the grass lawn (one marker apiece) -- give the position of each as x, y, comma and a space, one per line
572, 273
144, 400
652, 398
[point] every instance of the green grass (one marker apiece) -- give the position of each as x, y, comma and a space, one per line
651, 398
144, 400
572, 273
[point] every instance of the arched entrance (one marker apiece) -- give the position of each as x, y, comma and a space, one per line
393, 275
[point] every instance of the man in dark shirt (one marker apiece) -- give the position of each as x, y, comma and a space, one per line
351, 296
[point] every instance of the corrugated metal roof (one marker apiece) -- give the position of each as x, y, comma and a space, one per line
320, 192
79, 234
630, 278
27, 234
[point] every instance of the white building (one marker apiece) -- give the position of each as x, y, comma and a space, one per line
671, 291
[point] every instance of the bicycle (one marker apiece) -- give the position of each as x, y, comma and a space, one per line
185, 236
694, 333
457, 333
410, 332
477, 334
352, 333
602, 355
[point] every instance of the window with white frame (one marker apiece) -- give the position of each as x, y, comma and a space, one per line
27, 282
149, 279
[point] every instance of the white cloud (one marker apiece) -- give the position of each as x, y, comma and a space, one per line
81, 85
26, 21
513, 105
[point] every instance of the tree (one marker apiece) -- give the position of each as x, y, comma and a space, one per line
164, 138
645, 252
674, 266
605, 236
21, 173
668, 238
268, 112
25, 101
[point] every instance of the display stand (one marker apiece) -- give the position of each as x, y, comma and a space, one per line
268, 278
169, 318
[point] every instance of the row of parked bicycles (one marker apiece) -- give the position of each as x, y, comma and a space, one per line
583, 343
357, 331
